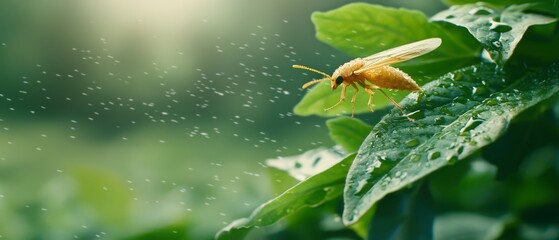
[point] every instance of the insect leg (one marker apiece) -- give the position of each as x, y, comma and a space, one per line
397, 105
353, 99
369, 90
370, 102
342, 97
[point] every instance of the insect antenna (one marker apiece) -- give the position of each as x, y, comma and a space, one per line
328, 77
306, 85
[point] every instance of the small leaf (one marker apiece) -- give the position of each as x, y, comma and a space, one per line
361, 29
348, 132
455, 116
498, 30
311, 192
309, 163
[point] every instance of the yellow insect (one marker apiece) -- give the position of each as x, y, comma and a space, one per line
374, 73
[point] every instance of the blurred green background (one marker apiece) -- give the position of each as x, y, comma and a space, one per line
151, 119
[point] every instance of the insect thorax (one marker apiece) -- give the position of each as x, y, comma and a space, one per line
347, 69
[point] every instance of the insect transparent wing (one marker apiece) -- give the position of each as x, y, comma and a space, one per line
399, 54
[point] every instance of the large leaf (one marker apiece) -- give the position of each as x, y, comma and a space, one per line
455, 116
498, 29
361, 29
309, 163
548, 6
311, 192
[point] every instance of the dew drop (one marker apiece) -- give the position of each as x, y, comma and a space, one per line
480, 11
434, 155
460, 149
385, 182
452, 160
439, 120
471, 124
500, 27
415, 158
363, 186
492, 102
480, 90
412, 143
458, 76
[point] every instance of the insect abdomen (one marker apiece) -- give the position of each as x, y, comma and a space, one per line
390, 77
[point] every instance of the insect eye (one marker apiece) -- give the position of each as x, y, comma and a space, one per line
339, 80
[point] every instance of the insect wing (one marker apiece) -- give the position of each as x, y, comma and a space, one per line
399, 54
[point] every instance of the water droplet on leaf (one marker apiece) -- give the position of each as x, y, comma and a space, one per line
363, 186
480, 90
412, 143
480, 11
500, 27
471, 124
415, 158
434, 155
492, 102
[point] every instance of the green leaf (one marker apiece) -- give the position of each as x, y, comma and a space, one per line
348, 132
311, 192
455, 116
309, 163
361, 29
498, 30
548, 6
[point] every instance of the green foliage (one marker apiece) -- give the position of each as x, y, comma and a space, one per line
311, 192
348, 132
456, 115
362, 29
498, 29
468, 166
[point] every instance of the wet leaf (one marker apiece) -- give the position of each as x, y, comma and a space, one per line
548, 6
498, 29
311, 192
348, 132
309, 163
455, 116
361, 29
